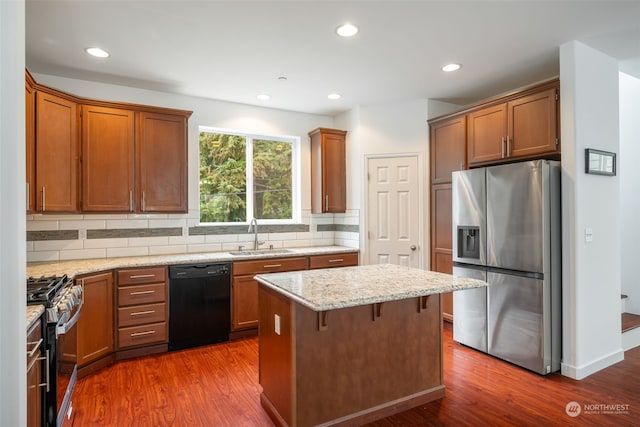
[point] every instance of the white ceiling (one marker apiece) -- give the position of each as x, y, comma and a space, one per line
235, 50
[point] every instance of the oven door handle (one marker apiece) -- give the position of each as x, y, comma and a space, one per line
63, 328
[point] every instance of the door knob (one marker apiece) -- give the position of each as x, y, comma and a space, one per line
413, 247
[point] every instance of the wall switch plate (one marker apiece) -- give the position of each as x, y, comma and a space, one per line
588, 235
276, 319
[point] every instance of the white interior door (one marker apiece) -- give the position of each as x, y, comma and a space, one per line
393, 211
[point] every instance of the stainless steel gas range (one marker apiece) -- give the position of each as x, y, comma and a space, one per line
63, 302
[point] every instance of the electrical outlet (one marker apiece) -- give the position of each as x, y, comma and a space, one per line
276, 319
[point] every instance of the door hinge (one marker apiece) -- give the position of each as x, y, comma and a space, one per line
556, 142
557, 96
368, 176
369, 235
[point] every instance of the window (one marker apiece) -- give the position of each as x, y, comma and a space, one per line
244, 176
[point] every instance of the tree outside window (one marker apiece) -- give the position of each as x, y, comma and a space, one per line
244, 177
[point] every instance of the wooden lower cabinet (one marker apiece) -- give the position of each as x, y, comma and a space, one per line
142, 312
95, 325
34, 375
244, 289
244, 303
333, 260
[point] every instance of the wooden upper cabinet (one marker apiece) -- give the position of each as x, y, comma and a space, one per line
447, 148
162, 162
56, 154
522, 127
532, 126
30, 142
487, 134
107, 159
328, 171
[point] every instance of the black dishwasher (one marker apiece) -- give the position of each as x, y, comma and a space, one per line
199, 304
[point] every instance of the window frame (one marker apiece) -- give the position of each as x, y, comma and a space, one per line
296, 208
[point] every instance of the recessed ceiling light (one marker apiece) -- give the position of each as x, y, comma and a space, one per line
347, 30
451, 67
264, 97
97, 52
334, 96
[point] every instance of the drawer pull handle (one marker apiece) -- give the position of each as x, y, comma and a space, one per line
142, 313
142, 276
336, 260
36, 346
142, 292
139, 334
273, 265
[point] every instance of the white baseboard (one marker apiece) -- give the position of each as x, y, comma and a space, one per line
580, 372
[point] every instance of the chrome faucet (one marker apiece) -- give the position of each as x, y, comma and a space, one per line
254, 223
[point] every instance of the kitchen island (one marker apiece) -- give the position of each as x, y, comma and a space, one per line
350, 345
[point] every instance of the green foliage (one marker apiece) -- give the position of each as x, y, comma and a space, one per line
223, 186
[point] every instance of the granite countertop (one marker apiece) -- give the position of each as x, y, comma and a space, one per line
330, 289
33, 313
78, 267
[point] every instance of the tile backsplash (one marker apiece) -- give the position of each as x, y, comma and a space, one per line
66, 237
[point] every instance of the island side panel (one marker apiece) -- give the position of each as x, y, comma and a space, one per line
276, 368
359, 369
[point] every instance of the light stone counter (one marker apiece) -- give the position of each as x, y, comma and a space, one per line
330, 289
33, 313
78, 267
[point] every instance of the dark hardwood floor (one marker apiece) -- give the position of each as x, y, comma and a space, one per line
630, 321
218, 386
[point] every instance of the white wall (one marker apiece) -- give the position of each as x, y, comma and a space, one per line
13, 387
591, 271
398, 128
630, 189
205, 112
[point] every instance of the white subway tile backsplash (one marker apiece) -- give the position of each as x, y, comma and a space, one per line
167, 250
82, 254
106, 243
42, 225
43, 256
56, 245
204, 248
127, 223
87, 224
221, 238
148, 241
167, 222
178, 240
120, 252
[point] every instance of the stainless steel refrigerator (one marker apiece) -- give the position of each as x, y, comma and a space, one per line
507, 231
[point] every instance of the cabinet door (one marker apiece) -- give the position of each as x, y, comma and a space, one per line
333, 174
95, 325
30, 145
447, 148
486, 137
162, 163
34, 376
244, 303
441, 240
532, 125
107, 159
56, 154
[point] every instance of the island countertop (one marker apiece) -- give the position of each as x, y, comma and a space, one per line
335, 288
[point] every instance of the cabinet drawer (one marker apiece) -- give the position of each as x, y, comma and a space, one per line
335, 260
269, 265
34, 343
141, 314
142, 275
142, 294
141, 335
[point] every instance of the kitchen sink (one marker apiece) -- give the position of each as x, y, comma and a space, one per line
261, 252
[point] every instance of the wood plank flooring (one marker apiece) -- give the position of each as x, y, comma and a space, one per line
630, 321
218, 386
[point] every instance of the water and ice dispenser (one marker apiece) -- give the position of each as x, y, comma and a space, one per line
469, 242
